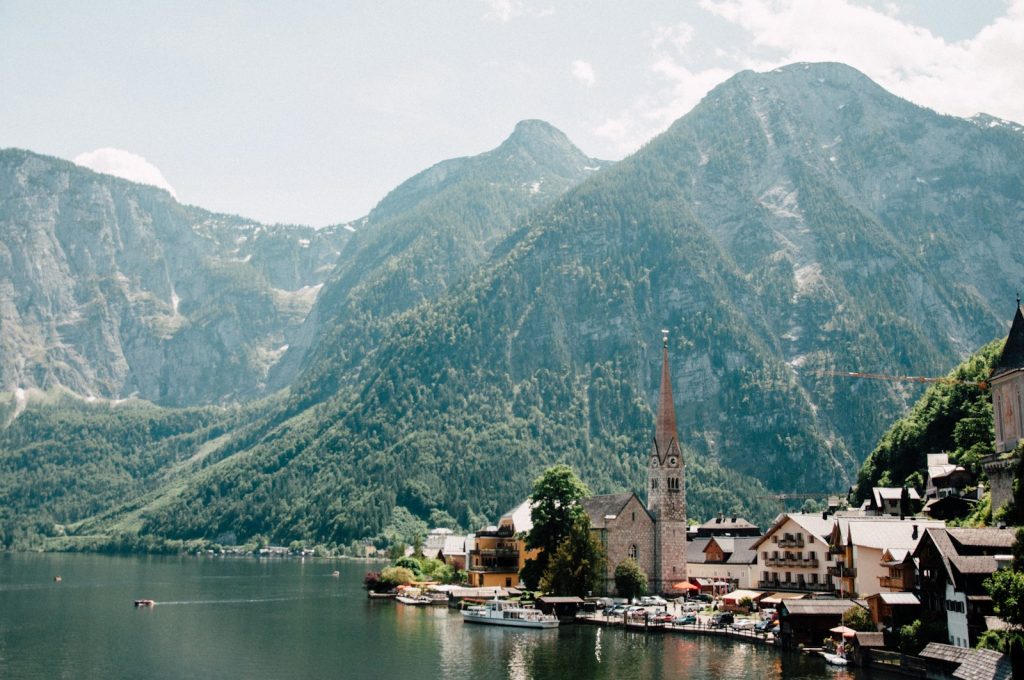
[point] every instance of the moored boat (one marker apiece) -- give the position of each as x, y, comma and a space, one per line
418, 600
500, 613
835, 659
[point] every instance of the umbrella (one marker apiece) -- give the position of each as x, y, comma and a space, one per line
684, 585
846, 632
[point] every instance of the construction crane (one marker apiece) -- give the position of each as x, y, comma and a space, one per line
981, 384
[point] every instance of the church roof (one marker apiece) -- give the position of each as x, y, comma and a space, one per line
727, 524
1012, 357
599, 508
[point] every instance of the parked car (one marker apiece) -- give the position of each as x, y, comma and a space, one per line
617, 610
662, 617
692, 606
703, 597
722, 619
743, 624
764, 626
685, 620
654, 600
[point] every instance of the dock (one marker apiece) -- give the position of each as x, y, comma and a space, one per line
641, 626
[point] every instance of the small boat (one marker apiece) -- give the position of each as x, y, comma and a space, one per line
418, 600
145, 603
335, 573
835, 659
500, 613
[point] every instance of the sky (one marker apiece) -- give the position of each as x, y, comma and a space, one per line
310, 112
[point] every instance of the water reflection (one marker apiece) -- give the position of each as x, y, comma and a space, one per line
272, 619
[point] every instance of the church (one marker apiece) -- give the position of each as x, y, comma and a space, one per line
654, 535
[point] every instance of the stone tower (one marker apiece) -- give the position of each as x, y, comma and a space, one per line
666, 489
1007, 381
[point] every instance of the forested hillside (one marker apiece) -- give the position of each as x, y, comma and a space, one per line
795, 223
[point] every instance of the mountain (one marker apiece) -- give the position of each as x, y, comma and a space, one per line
111, 288
430, 232
795, 223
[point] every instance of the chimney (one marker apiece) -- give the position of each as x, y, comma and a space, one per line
721, 517
914, 534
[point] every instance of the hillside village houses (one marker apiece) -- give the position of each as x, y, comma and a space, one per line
897, 564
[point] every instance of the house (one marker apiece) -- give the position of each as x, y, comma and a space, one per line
945, 478
727, 526
499, 552
949, 661
894, 501
902, 576
434, 545
724, 559
953, 563
858, 544
793, 554
456, 547
1007, 383
890, 611
808, 622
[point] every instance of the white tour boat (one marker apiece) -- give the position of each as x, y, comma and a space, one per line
501, 613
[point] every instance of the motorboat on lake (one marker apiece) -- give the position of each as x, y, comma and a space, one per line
416, 601
145, 603
501, 613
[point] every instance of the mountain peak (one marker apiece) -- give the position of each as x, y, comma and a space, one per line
536, 136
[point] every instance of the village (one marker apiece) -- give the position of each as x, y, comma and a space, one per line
874, 585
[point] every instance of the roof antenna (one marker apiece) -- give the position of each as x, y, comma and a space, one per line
664, 332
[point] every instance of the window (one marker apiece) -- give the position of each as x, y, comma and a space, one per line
810, 538
775, 538
654, 484
508, 581
673, 484
633, 515
634, 552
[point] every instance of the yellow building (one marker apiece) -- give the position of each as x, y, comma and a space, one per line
500, 551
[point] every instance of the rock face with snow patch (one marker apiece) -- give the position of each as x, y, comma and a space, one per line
110, 288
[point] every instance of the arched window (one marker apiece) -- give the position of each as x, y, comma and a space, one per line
634, 552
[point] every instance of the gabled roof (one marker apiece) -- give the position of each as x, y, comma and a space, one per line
1012, 357
811, 522
983, 537
601, 508
818, 607
454, 545
897, 599
726, 543
893, 493
742, 550
520, 516
892, 533
972, 664
726, 524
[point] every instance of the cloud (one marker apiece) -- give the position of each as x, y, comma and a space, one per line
961, 78
583, 71
126, 165
506, 10
965, 77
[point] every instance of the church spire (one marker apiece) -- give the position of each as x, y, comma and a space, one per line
665, 435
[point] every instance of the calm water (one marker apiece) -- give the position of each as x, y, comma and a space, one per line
242, 618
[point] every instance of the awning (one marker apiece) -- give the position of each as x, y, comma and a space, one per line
737, 595
776, 598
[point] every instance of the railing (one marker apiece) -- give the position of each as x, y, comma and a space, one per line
791, 542
895, 582
842, 572
509, 568
799, 586
791, 562
498, 552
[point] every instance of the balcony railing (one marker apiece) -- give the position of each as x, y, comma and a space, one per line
512, 567
791, 542
893, 582
805, 562
497, 552
843, 572
798, 586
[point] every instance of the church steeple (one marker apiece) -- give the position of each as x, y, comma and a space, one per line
666, 488
665, 434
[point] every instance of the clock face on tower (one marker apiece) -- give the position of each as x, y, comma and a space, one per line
672, 461
654, 461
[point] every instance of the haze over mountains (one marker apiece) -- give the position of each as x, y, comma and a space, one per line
496, 314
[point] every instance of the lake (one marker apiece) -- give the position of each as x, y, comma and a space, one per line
283, 618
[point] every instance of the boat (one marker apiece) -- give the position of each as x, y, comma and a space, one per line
835, 659
145, 603
418, 600
501, 613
